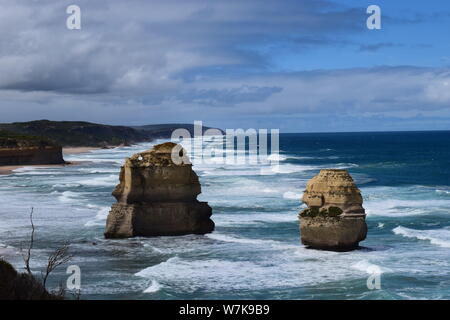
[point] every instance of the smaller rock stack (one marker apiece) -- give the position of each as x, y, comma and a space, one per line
156, 197
335, 218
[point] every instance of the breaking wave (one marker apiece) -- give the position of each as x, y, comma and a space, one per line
439, 237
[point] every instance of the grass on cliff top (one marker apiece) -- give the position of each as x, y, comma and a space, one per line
78, 133
10, 139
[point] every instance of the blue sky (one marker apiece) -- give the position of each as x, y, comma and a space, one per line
296, 65
413, 33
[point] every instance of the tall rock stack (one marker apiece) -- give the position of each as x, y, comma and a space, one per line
157, 197
335, 218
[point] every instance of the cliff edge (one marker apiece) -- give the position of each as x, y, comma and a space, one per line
17, 149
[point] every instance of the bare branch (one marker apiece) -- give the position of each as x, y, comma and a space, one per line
27, 257
57, 258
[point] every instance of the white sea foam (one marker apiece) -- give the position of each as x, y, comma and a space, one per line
242, 257
292, 195
36, 171
6, 250
101, 181
370, 268
99, 170
262, 243
66, 185
243, 172
68, 196
344, 165
440, 237
279, 269
385, 205
254, 218
286, 169
155, 286
99, 219
276, 157
226, 238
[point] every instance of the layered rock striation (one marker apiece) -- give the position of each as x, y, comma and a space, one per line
335, 217
157, 197
31, 156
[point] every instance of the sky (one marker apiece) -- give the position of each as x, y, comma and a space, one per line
293, 65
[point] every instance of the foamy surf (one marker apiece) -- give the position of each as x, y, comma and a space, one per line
68, 196
256, 246
439, 237
101, 181
293, 195
155, 286
99, 219
369, 268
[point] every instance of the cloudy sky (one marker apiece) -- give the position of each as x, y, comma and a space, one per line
296, 65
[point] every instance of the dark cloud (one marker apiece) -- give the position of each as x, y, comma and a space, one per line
228, 96
141, 46
142, 62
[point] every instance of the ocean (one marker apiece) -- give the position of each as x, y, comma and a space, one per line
255, 250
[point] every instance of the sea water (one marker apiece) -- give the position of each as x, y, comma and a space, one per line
255, 250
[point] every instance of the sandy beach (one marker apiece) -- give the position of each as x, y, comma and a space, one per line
77, 150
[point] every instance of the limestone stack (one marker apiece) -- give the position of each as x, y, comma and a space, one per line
335, 217
157, 197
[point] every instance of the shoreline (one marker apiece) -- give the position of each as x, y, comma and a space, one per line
6, 170
78, 150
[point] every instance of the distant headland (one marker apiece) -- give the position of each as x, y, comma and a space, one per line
43, 142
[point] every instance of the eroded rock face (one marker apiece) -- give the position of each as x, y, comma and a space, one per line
335, 217
158, 197
31, 156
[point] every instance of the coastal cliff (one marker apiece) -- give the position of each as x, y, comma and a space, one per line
88, 134
157, 197
335, 217
28, 150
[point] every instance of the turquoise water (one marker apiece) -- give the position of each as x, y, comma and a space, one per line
255, 251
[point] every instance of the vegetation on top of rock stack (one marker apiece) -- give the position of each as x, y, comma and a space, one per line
74, 133
159, 155
315, 212
10, 139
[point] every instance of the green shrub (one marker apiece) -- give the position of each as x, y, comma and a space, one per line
334, 211
315, 212
310, 212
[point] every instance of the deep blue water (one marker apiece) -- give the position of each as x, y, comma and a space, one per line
255, 251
